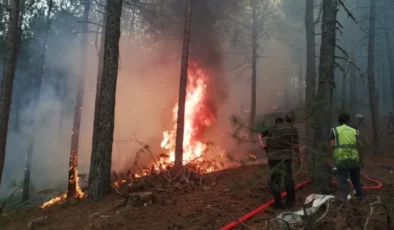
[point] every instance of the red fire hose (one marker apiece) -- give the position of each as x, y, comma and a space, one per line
269, 203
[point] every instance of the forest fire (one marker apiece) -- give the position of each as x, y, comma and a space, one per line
79, 195
197, 118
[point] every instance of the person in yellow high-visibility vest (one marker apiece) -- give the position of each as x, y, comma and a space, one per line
346, 153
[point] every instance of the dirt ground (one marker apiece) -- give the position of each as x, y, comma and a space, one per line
235, 192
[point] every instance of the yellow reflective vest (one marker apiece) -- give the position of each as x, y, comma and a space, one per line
345, 143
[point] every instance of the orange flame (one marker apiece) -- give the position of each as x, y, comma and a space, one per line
62, 197
197, 118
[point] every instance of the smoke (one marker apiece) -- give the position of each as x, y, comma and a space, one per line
148, 85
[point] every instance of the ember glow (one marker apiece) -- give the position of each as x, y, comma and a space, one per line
198, 117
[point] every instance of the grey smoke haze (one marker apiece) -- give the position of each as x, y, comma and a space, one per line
147, 92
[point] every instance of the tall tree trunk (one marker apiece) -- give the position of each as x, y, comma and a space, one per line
73, 162
183, 87
324, 95
100, 66
353, 80
16, 111
373, 101
61, 97
389, 50
30, 142
8, 78
103, 130
344, 89
254, 67
300, 84
310, 78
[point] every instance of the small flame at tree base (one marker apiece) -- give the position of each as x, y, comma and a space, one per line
58, 199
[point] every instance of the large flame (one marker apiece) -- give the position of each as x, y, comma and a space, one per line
197, 118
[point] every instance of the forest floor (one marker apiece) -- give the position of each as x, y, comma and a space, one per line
234, 191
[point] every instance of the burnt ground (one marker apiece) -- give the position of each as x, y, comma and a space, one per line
235, 191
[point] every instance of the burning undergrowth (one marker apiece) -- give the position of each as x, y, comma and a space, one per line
200, 157
205, 92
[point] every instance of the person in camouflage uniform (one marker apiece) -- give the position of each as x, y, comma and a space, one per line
282, 140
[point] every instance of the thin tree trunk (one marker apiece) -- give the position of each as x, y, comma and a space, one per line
16, 111
300, 84
310, 78
344, 89
353, 82
30, 144
8, 78
254, 67
389, 52
324, 95
183, 87
60, 94
310, 52
103, 130
73, 162
373, 101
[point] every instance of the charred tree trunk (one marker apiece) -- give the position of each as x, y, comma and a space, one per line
8, 78
103, 130
373, 100
310, 78
73, 162
324, 95
353, 81
254, 67
40, 73
183, 87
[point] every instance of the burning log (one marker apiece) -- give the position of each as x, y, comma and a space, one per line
140, 199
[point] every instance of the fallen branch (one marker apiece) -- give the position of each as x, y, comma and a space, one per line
12, 194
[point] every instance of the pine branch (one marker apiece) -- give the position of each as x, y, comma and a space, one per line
349, 14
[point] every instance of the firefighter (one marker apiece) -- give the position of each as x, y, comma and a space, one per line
348, 160
360, 120
281, 139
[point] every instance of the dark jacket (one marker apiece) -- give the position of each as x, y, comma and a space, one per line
281, 140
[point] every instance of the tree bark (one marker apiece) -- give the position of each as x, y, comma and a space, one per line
324, 95
183, 87
73, 162
40, 73
103, 130
8, 78
389, 52
373, 100
310, 51
344, 89
254, 68
310, 78
300, 85
353, 80
100, 66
